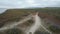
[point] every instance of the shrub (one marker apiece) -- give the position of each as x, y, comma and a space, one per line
14, 31
54, 29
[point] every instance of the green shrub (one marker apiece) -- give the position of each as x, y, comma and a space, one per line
14, 31
58, 17
54, 29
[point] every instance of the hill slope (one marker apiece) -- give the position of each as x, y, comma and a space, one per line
17, 14
12, 15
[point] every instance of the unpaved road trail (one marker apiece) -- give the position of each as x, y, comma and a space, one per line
32, 29
37, 24
9, 26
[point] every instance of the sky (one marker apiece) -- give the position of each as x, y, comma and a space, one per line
28, 3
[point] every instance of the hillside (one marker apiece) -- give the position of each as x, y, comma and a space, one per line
14, 15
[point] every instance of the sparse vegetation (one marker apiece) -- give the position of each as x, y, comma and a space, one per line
55, 29
12, 15
14, 31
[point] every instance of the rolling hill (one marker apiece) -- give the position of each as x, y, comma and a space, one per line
14, 15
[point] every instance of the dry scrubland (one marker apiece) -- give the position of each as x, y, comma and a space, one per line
14, 15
